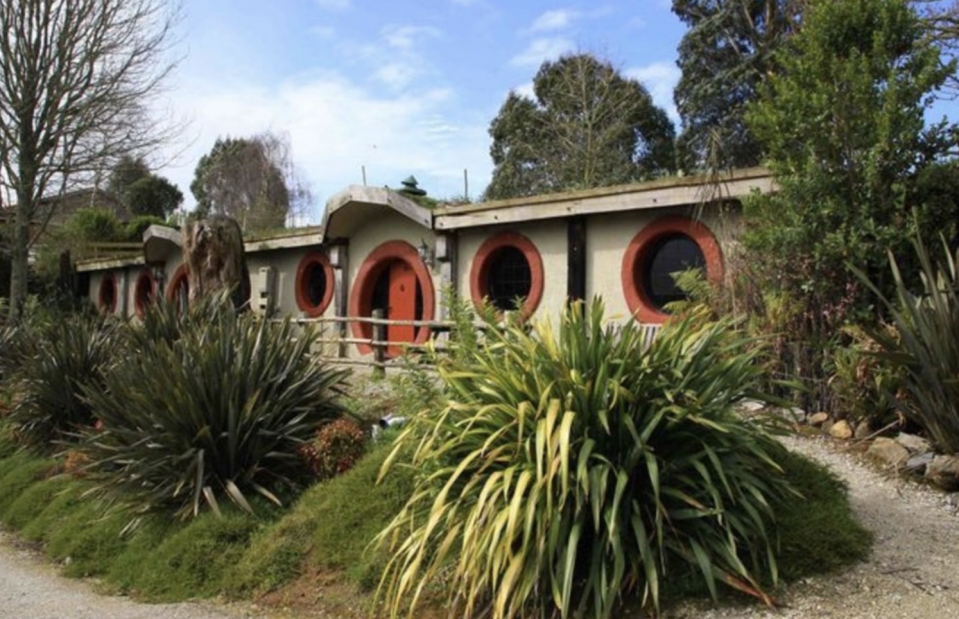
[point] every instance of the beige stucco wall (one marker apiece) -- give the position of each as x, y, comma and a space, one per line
549, 237
284, 263
608, 235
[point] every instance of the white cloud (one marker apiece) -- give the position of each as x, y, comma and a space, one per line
526, 90
557, 19
335, 127
396, 75
334, 5
541, 49
660, 79
406, 37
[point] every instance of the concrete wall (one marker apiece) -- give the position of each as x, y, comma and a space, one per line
284, 263
607, 236
549, 237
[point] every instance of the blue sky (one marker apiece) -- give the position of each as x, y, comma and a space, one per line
402, 87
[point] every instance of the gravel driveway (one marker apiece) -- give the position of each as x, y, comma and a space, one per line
913, 571
31, 589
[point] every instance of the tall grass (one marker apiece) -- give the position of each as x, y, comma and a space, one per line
570, 473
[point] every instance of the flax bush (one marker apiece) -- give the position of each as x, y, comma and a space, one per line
927, 347
211, 410
54, 364
571, 473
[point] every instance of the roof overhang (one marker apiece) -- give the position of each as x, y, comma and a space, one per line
298, 238
351, 208
160, 242
663, 193
102, 264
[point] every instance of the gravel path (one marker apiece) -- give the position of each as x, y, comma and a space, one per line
31, 589
913, 571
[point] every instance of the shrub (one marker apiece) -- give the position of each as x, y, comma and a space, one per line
928, 347
565, 474
219, 413
335, 449
68, 357
864, 386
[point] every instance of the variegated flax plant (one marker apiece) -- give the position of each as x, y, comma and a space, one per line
570, 473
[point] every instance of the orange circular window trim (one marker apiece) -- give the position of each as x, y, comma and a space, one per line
179, 276
361, 297
310, 261
482, 261
144, 292
637, 252
105, 307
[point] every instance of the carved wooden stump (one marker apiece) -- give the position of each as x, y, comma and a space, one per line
213, 251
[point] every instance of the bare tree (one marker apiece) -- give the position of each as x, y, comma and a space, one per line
252, 180
77, 78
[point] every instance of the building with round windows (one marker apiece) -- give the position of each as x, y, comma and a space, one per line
379, 251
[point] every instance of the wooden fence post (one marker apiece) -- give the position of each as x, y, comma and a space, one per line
379, 343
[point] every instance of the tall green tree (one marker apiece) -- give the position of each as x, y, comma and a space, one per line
727, 53
125, 172
152, 196
142, 192
844, 127
587, 126
251, 180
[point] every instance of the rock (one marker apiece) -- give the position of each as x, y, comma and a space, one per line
915, 444
918, 463
943, 471
863, 429
818, 419
841, 430
887, 452
751, 406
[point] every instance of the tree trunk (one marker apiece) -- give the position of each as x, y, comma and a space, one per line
213, 252
19, 255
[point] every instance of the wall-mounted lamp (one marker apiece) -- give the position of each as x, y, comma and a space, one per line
426, 254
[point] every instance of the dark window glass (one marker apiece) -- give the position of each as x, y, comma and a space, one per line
671, 254
144, 291
509, 278
109, 296
316, 284
381, 292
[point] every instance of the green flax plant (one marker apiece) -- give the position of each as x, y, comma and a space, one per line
925, 344
216, 407
570, 473
51, 366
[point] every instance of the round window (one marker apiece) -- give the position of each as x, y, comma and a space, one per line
178, 292
669, 255
509, 280
108, 294
144, 293
507, 272
661, 249
314, 284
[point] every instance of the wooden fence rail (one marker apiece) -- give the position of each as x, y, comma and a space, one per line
380, 343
